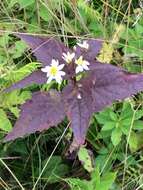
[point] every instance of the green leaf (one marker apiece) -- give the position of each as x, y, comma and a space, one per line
138, 125
125, 129
106, 181
116, 136
140, 139
88, 13
136, 141
95, 178
15, 111
127, 111
44, 13
138, 29
4, 40
135, 41
77, 184
18, 49
113, 116
135, 47
14, 98
16, 75
133, 142
127, 121
102, 182
55, 170
138, 114
25, 3
104, 116
5, 124
85, 159
104, 134
97, 181
108, 125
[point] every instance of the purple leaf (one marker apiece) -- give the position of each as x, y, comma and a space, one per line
45, 49
104, 84
37, 77
90, 53
78, 106
44, 110
111, 83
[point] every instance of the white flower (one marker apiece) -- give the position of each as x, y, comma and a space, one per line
84, 45
81, 64
54, 71
79, 96
68, 57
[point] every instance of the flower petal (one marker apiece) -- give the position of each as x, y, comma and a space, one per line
45, 69
84, 45
72, 55
62, 73
58, 79
49, 79
86, 62
48, 74
68, 57
79, 69
85, 67
60, 67
63, 58
55, 63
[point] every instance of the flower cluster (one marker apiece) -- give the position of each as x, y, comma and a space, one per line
54, 71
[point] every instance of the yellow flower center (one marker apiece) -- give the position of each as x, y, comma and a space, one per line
54, 71
69, 60
79, 61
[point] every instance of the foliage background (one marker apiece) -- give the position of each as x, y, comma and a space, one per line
113, 156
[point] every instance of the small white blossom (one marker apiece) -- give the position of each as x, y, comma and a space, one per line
84, 45
68, 57
81, 64
54, 71
79, 96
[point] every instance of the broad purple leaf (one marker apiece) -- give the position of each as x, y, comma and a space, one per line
45, 49
44, 110
78, 107
90, 53
37, 77
111, 83
104, 85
